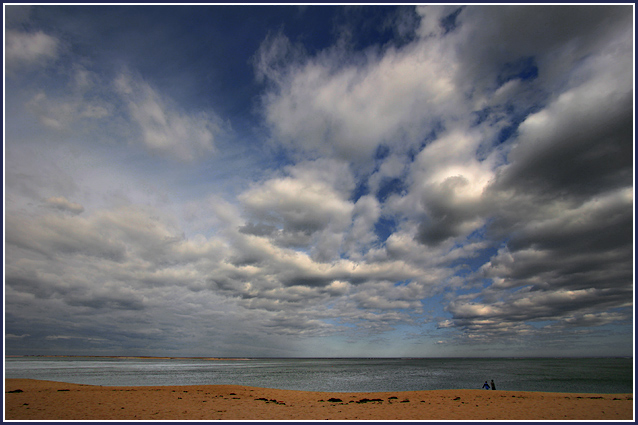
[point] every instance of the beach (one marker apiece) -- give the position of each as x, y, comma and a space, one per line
29, 399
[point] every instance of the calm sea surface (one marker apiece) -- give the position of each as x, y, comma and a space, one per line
590, 375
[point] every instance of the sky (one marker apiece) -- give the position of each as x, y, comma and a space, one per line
319, 181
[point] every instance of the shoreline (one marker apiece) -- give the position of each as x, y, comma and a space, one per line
29, 399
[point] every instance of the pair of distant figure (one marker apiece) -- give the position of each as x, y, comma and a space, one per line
487, 386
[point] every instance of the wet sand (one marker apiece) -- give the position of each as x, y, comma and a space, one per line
28, 399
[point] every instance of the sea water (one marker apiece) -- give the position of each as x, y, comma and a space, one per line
574, 375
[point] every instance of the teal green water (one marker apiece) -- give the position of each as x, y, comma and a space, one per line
588, 375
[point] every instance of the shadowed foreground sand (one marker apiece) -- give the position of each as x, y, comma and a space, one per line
28, 399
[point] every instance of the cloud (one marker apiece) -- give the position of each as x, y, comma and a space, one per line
578, 144
28, 50
122, 266
497, 35
449, 182
309, 207
436, 20
77, 102
63, 204
164, 128
109, 109
561, 268
512, 315
472, 174
10, 336
347, 104
559, 192
53, 235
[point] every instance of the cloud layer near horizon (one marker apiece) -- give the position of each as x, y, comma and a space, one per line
462, 187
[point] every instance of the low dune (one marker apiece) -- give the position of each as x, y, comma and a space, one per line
28, 399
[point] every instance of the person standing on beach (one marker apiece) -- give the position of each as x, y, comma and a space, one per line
486, 385
493, 386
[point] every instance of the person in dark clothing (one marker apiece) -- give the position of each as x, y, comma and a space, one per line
486, 385
493, 386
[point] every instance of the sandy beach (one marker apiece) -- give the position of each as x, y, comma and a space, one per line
28, 399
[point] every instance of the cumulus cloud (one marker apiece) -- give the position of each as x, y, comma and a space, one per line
449, 181
137, 259
308, 207
336, 105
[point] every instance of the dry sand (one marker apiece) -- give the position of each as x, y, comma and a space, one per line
28, 399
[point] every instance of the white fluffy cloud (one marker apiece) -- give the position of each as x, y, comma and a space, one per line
333, 104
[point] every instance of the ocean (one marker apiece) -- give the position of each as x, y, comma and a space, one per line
574, 375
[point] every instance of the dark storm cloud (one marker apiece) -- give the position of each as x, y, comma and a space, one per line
556, 37
601, 228
258, 229
562, 268
516, 311
446, 216
562, 204
585, 151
